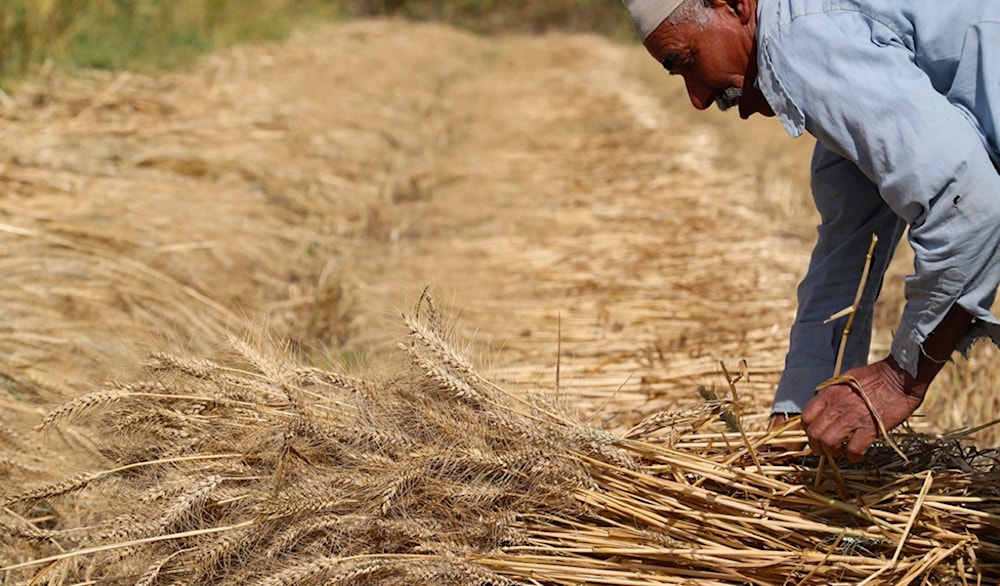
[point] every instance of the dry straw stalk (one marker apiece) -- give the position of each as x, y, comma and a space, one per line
437, 475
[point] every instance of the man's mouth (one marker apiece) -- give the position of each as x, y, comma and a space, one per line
728, 98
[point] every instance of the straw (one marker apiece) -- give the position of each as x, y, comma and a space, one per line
436, 471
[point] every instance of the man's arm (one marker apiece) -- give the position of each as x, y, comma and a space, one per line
857, 89
862, 96
851, 211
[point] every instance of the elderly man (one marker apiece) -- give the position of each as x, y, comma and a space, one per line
903, 97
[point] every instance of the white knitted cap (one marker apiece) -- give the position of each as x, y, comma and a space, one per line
648, 14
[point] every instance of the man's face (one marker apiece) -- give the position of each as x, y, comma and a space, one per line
716, 61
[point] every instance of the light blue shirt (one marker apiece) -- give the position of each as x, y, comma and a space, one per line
903, 97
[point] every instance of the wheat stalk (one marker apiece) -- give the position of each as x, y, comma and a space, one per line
128, 544
402, 482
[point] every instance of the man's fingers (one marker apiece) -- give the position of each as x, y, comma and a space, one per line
827, 422
858, 445
832, 441
830, 434
822, 435
815, 443
813, 410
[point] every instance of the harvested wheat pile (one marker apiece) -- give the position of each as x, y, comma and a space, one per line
253, 470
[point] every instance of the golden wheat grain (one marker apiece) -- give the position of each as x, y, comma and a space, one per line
223, 381
432, 341
433, 353
15, 526
432, 316
603, 443
35, 382
53, 490
152, 573
303, 528
170, 424
10, 464
198, 368
317, 376
121, 528
81, 405
175, 516
329, 570
220, 558
272, 370
479, 574
140, 387
679, 422
398, 489
447, 380
318, 502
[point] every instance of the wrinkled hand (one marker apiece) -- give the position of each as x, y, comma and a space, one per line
838, 421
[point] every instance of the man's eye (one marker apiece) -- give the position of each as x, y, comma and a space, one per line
670, 62
674, 63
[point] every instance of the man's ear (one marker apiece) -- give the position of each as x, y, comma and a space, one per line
740, 8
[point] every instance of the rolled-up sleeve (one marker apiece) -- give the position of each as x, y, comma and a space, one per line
853, 84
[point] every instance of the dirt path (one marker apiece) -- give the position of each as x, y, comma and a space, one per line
578, 201
544, 188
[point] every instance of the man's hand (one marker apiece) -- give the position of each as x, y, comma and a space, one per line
839, 421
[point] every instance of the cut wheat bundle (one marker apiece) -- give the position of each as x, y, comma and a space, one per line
254, 470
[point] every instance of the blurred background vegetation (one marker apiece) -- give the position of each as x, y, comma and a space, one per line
150, 35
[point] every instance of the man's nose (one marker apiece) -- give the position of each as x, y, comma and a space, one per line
701, 95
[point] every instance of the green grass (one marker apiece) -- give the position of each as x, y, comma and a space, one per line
487, 16
152, 35
139, 34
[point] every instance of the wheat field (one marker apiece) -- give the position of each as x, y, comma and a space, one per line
222, 362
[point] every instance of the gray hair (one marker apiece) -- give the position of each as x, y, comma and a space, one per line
695, 12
